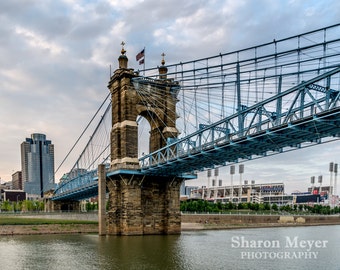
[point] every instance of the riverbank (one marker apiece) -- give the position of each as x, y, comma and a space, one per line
218, 221
48, 229
44, 224
189, 223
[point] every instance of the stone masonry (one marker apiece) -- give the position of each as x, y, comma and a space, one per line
141, 204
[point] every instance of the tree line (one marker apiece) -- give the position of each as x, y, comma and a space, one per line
22, 206
34, 206
202, 206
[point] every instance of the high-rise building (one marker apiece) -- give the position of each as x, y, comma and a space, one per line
17, 180
37, 164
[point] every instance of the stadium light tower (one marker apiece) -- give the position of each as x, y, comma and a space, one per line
331, 169
312, 181
241, 171
232, 172
320, 182
335, 177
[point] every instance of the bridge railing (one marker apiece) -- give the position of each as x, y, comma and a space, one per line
80, 180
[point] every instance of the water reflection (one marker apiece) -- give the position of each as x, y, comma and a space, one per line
191, 250
140, 252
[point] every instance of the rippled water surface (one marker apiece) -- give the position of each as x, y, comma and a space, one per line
301, 248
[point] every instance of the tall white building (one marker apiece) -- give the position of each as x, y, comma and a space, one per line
37, 164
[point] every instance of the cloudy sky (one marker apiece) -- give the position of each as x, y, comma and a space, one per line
55, 58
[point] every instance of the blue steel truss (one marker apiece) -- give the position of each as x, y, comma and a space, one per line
313, 114
289, 113
80, 187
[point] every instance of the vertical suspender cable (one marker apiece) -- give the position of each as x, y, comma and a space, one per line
208, 91
239, 103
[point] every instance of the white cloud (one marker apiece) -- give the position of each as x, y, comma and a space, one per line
123, 5
37, 41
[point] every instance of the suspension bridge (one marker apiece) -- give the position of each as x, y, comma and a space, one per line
231, 107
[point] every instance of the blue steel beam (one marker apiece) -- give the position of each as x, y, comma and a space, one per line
197, 152
81, 186
86, 186
261, 144
273, 140
307, 120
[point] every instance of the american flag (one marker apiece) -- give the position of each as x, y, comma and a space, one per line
140, 55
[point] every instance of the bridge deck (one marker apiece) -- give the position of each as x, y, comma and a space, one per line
309, 130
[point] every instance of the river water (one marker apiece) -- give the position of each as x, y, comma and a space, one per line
301, 248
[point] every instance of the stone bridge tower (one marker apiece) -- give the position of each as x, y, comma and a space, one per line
141, 204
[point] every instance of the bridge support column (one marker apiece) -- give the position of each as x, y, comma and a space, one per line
101, 199
62, 206
140, 205
48, 205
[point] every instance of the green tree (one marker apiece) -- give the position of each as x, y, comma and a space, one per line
230, 206
27, 205
256, 206
203, 206
6, 206
192, 206
267, 206
219, 206
183, 206
317, 209
275, 207
287, 208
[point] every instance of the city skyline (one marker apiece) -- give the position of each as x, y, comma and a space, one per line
56, 66
37, 164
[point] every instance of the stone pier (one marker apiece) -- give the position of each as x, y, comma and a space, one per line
139, 203
62, 206
143, 205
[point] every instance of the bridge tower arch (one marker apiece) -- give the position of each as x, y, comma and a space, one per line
141, 204
132, 96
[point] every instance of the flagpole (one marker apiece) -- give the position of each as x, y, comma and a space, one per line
144, 61
140, 57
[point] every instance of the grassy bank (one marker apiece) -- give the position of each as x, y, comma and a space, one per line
11, 225
9, 220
